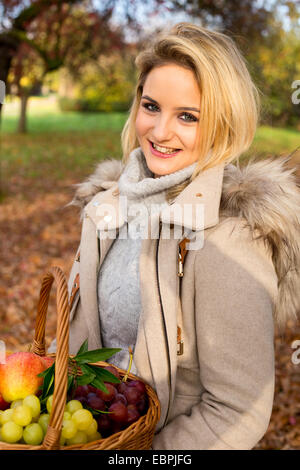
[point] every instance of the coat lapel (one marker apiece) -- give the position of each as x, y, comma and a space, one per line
88, 275
168, 282
151, 354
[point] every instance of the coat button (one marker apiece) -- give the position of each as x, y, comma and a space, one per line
198, 194
116, 192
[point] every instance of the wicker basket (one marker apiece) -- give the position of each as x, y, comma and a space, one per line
138, 436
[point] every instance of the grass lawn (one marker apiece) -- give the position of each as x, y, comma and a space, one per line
61, 145
275, 141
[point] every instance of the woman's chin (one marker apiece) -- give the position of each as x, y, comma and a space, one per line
160, 168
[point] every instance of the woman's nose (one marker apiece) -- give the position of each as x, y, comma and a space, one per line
162, 131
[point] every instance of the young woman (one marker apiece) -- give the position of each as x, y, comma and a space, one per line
185, 257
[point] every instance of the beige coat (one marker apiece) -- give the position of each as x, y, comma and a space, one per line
219, 393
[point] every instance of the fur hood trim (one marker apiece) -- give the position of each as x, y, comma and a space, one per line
264, 193
105, 175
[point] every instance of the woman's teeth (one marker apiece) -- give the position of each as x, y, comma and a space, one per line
164, 149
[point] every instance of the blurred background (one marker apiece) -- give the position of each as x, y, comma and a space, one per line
69, 72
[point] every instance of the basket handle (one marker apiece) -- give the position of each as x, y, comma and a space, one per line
51, 439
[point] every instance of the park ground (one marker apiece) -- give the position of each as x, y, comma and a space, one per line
38, 174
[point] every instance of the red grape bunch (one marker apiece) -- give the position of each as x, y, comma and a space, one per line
122, 404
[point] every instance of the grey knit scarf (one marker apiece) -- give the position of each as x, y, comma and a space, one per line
119, 299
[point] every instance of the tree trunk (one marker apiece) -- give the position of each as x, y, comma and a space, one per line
8, 47
22, 125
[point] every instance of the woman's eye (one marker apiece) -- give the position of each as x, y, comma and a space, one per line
190, 117
148, 105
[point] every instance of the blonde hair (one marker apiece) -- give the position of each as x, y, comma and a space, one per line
229, 100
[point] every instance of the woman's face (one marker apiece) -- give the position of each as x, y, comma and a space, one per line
168, 117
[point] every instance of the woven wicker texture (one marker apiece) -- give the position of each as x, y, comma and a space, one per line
138, 436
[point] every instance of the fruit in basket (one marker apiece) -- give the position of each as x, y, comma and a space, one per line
95, 402
104, 424
6, 416
18, 422
19, 375
44, 421
73, 405
69, 429
48, 361
109, 395
100, 401
15, 403
80, 426
49, 403
79, 438
3, 404
33, 434
34, 404
118, 410
11, 432
22, 415
119, 404
118, 413
83, 419
133, 414
92, 429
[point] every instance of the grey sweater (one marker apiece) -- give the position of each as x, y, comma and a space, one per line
119, 301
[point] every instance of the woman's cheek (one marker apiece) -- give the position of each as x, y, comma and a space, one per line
188, 136
143, 124
140, 124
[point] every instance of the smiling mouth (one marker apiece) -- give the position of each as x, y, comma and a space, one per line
162, 149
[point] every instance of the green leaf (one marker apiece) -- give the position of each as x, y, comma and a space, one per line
45, 372
87, 377
104, 374
50, 389
48, 384
98, 383
83, 348
96, 355
85, 380
70, 383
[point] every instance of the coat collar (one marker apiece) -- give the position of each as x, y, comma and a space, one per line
197, 206
200, 198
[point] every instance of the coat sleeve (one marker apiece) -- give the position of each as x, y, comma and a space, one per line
235, 291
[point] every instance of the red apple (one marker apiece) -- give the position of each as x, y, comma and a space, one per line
18, 376
48, 361
3, 404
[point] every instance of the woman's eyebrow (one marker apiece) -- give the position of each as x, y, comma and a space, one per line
180, 108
